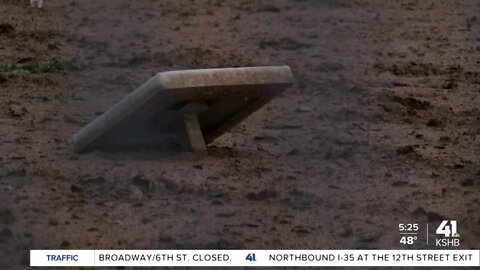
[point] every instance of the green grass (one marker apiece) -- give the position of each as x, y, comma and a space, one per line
53, 66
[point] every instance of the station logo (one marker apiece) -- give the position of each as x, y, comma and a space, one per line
449, 237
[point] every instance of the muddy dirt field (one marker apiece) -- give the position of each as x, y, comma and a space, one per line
381, 126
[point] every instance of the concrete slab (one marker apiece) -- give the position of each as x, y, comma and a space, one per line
158, 112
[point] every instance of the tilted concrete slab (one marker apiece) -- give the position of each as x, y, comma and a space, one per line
152, 114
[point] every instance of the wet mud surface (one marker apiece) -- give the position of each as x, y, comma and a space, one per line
380, 128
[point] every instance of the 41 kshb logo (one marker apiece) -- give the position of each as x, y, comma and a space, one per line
451, 238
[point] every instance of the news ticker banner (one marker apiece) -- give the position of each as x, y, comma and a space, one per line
254, 258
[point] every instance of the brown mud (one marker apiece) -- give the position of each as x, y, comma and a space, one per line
380, 128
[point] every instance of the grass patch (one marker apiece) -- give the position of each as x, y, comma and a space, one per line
53, 66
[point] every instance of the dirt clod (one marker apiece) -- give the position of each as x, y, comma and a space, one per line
404, 150
5, 234
261, 195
